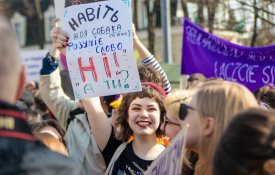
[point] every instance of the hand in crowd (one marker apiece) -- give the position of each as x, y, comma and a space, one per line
31, 86
59, 38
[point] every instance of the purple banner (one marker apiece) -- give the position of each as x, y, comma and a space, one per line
212, 56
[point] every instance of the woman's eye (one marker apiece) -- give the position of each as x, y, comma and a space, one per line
135, 109
152, 109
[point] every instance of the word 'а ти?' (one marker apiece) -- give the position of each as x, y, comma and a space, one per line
91, 14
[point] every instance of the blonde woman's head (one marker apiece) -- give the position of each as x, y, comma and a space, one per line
222, 100
173, 101
215, 104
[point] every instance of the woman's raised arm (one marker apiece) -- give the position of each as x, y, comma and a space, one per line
100, 124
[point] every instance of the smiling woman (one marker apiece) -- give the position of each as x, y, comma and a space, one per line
140, 115
125, 131
144, 116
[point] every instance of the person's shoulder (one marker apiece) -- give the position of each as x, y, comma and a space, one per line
42, 161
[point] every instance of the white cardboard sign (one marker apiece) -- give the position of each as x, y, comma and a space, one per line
100, 53
33, 62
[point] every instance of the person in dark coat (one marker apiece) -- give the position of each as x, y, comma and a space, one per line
20, 152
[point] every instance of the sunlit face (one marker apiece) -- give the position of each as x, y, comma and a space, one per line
171, 125
193, 132
144, 116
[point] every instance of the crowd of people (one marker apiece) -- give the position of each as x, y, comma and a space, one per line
44, 130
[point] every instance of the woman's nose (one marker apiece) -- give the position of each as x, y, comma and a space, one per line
143, 113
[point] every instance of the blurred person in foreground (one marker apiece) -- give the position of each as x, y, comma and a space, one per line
209, 112
247, 145
20, 153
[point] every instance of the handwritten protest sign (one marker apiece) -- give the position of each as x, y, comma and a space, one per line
171, 159
78, 2
205, 53
100, 52
33, 62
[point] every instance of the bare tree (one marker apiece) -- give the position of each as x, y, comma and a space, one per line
184, 8
151, 23
261, 11
256, 16
200, 13
267, 27
33, 11
40, 34
211, 8
263, 14
135, 16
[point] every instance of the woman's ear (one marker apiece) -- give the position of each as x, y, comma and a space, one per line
208, 126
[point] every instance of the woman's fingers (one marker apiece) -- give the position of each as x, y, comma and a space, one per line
53, 34
60, 43
64, 34
59, 37
62, 38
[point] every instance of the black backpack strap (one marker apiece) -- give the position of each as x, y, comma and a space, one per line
73, 114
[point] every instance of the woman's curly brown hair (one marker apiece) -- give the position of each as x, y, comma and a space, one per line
147, 73
122, 128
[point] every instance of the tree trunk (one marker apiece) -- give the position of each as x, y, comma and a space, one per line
200, 13
135, 17
211, 7
184, 8
254, 36
150, 29
40, 24
173, 11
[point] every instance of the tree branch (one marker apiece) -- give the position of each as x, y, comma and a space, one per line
260, 9
269, 22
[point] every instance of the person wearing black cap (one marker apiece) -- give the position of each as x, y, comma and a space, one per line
20, 153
